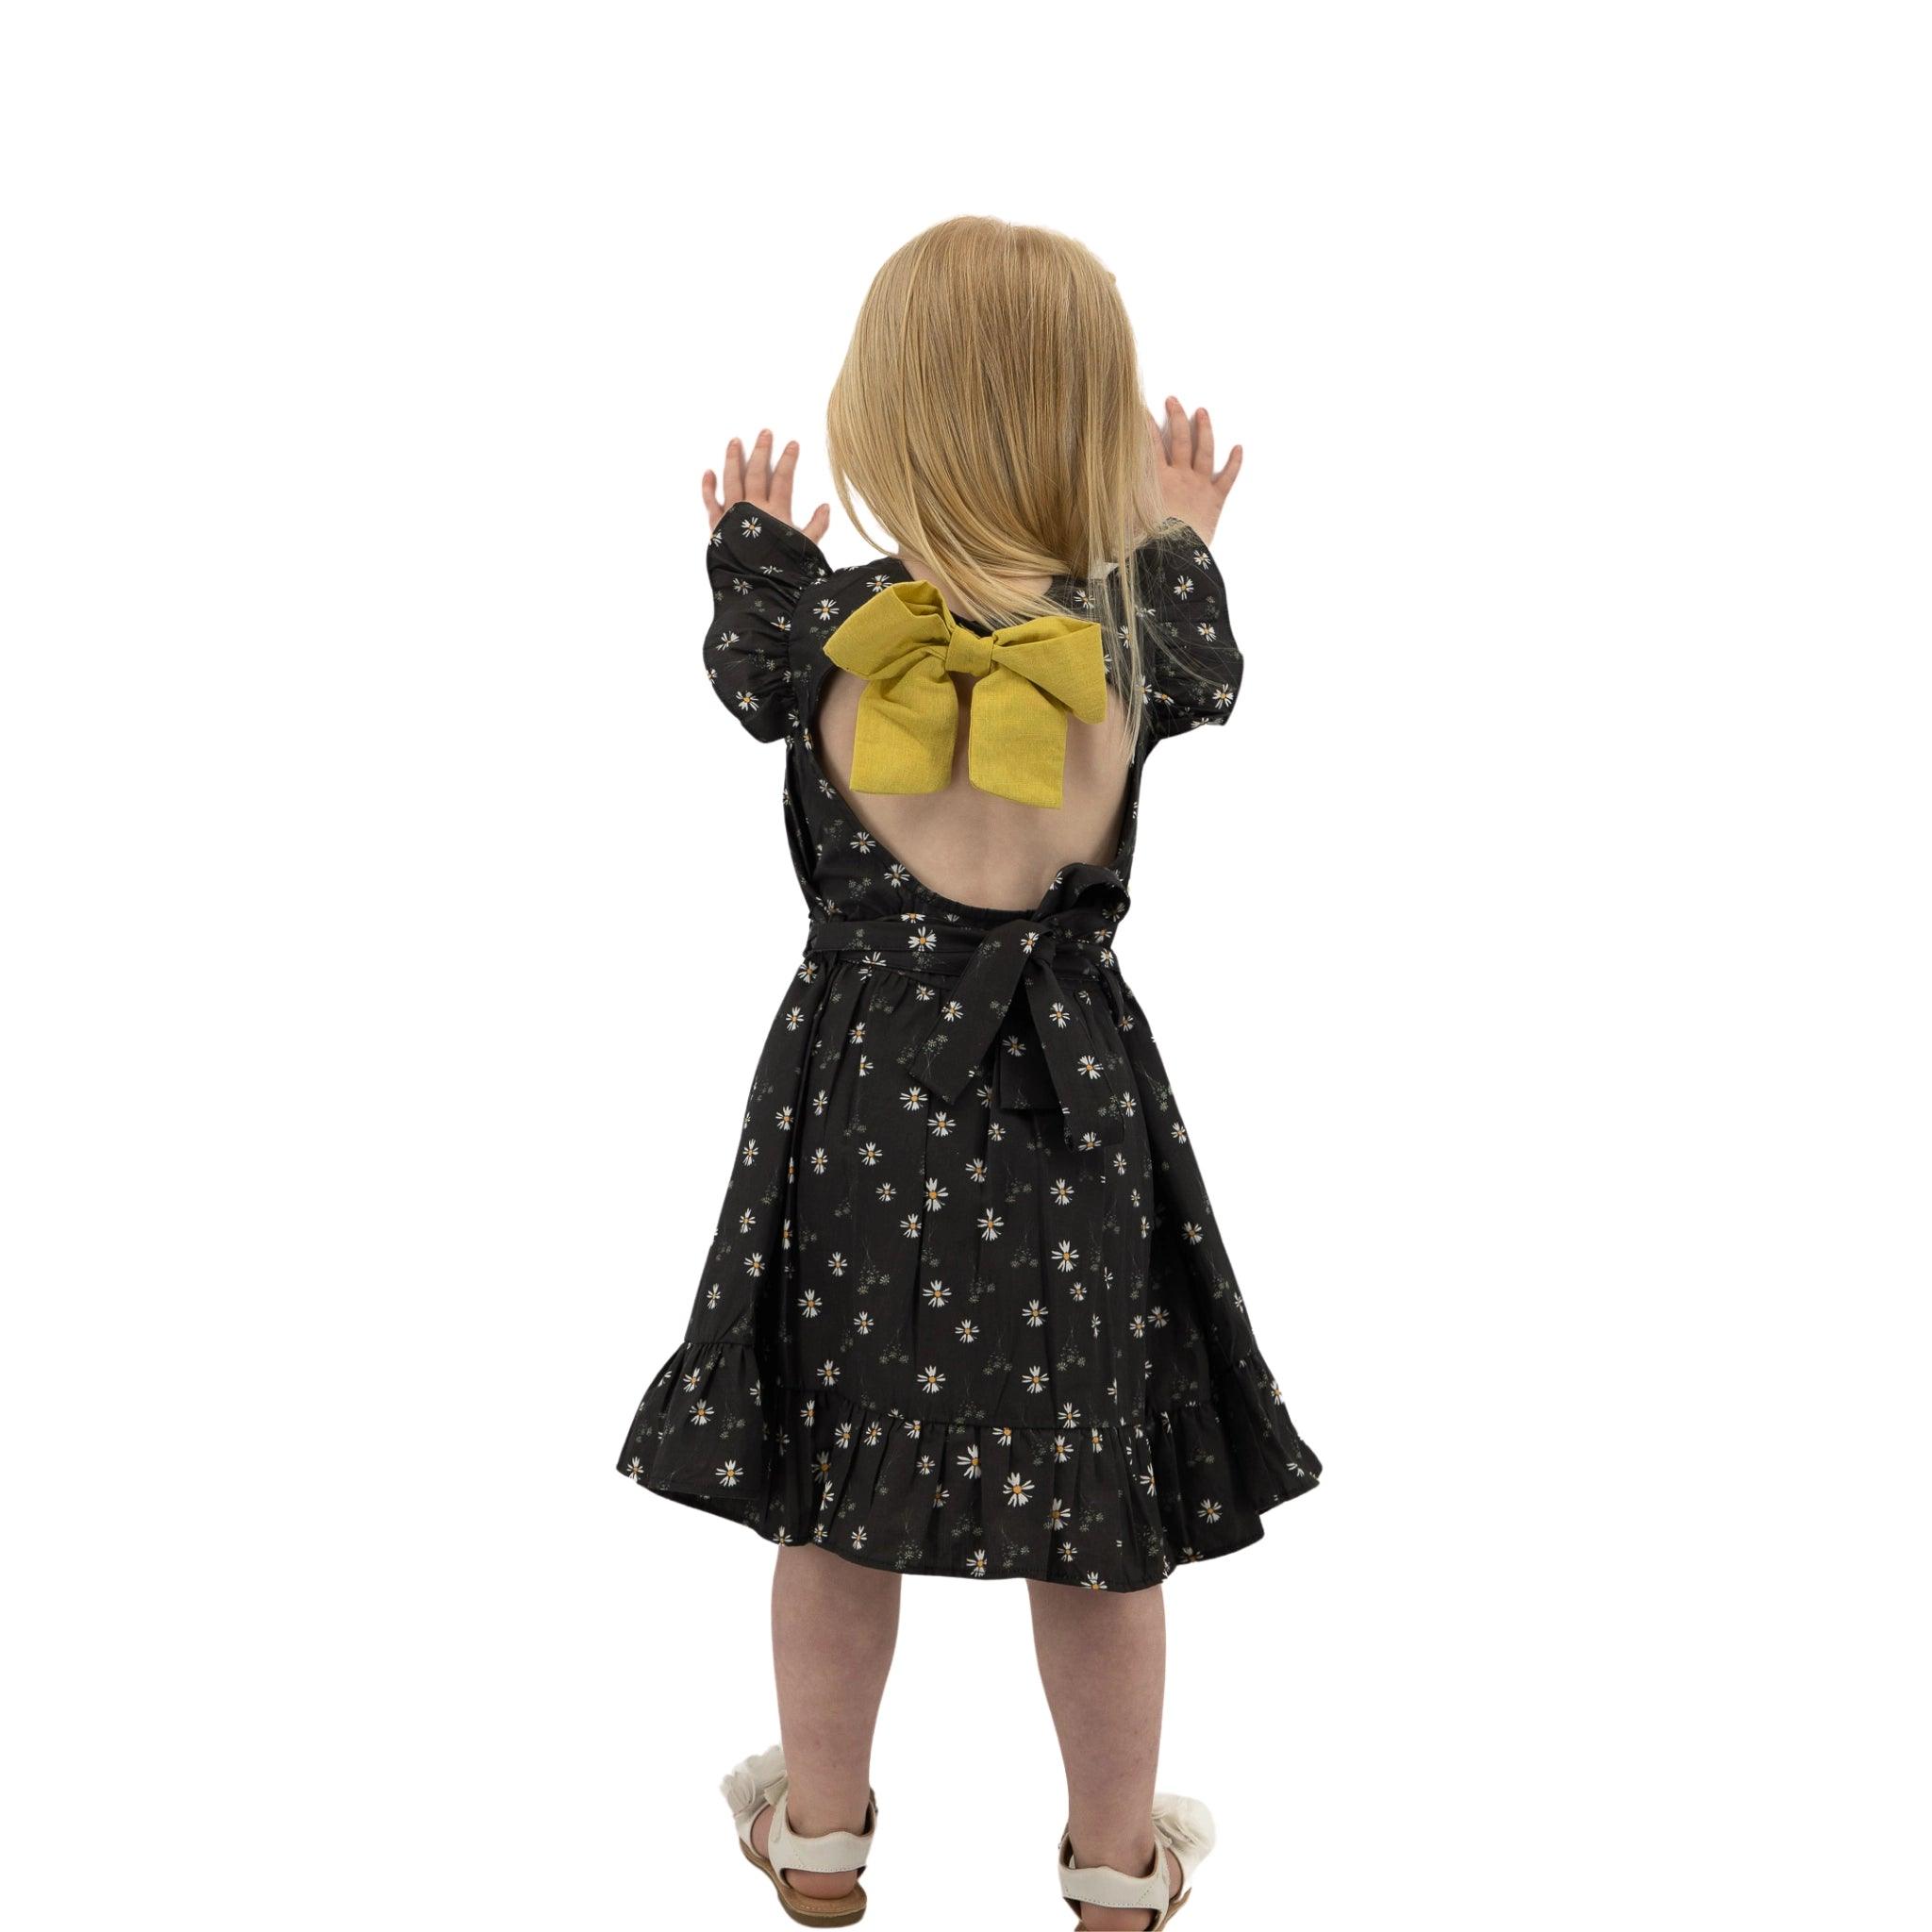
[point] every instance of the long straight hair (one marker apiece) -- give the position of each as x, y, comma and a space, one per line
989, 413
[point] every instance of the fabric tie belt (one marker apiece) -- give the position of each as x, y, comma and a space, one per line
1061, 955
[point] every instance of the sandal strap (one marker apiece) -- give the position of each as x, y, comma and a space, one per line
830, 1851
1105, 1885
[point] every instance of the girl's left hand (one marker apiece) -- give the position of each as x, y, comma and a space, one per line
765, 486
1191, 487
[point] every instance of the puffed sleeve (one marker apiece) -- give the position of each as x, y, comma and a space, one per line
760, 567
1191, 664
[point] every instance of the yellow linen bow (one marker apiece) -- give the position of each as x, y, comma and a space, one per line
905, 642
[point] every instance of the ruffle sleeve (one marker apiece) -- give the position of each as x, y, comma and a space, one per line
1191, 664
761, 568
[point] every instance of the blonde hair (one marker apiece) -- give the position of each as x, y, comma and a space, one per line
988, 412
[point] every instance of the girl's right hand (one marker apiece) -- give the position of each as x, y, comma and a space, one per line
758, 481
1191, 487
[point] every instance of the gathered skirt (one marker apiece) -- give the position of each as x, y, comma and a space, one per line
956, 1336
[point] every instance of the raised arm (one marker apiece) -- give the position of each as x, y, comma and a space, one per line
759, 565
1193, 664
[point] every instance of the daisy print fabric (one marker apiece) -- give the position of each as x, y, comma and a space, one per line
966, 1311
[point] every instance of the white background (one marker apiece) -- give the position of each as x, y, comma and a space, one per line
392, 918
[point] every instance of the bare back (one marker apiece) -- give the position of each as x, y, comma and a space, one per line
973, 845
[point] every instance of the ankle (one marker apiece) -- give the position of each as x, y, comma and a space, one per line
836, 1813
1124, 1849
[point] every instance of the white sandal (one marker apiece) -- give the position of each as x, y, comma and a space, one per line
760, 1780
1184, 1826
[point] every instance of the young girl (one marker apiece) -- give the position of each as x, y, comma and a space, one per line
967, 1313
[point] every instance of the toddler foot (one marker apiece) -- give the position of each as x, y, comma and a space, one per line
812, 1884
1116, 1918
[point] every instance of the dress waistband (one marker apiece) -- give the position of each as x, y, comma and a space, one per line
1069, 936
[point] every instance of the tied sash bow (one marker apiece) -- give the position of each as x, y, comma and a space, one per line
1057, 1043
1081, 1062
905, 642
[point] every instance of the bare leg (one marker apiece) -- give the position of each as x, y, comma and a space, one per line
1103, 1659
833, 1627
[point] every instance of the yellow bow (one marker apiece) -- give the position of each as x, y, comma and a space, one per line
905, 642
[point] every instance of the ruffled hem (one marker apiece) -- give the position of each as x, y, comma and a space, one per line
1109, 1506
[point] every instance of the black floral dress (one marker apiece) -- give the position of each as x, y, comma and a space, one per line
966, 1311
